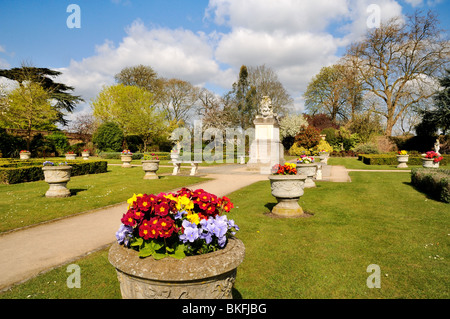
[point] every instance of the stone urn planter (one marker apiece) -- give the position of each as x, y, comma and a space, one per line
429, 163
208, 276
71, 156
57, 178
174, 156
126, 160
287, 189
85, 155
310, 171
324, 156
150, 167
402, 160
25, 155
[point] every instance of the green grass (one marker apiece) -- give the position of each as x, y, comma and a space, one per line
353, 163
379, 218
25, 204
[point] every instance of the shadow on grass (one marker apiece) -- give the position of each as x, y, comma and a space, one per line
236, 294
427, 195
75, 191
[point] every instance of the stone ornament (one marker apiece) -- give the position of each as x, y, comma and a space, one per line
287, 189
126, 160
402, 160
265, 108
150, 168
310, 171
57, 177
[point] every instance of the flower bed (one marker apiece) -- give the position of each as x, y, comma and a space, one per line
434, 182
391, 159
15, 171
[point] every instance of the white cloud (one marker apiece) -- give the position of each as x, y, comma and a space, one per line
279, 15
414, 3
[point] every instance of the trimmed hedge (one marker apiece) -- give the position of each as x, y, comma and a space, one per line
135, 156
433, 181
388, 159
16, 171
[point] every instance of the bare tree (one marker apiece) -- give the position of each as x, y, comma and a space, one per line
179, 99
398, 62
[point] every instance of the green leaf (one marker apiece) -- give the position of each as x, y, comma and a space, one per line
138, 242
158, 256
156, 245
146, 251
179, 254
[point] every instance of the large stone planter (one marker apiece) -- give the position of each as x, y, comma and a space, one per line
126, 160
150, 167
310, 171
429, 163
402, 160
85, 155
287, 189
71, 156
209, 276
174, 157
25, 155
57, 178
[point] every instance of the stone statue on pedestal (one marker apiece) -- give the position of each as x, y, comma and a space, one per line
266, 150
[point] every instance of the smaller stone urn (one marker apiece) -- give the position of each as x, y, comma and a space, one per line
402, 160
85, 155
323, 156
287, 189
25, 155
150, 167
208, 276
57, 178
429, 163
310, 171
71, 156
126, 160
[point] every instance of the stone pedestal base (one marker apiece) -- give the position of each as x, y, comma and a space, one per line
287, 208
58, 190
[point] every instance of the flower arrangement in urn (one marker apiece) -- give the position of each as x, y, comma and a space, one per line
433, 155
286, 169
305, 159
126, 152
185, 223
402, 153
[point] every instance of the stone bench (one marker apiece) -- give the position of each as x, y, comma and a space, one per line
177, 167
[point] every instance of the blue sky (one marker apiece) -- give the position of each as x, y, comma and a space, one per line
202, 41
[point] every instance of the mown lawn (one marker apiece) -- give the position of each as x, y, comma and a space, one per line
379, 219
25, 204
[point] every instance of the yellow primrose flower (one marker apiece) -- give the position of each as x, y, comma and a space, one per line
171, 197
183, 202
131, 200
193, 218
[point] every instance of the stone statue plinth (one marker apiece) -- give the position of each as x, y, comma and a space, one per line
266, 150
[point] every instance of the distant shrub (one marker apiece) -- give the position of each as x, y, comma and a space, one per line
308, 137
108, 137
366, 148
